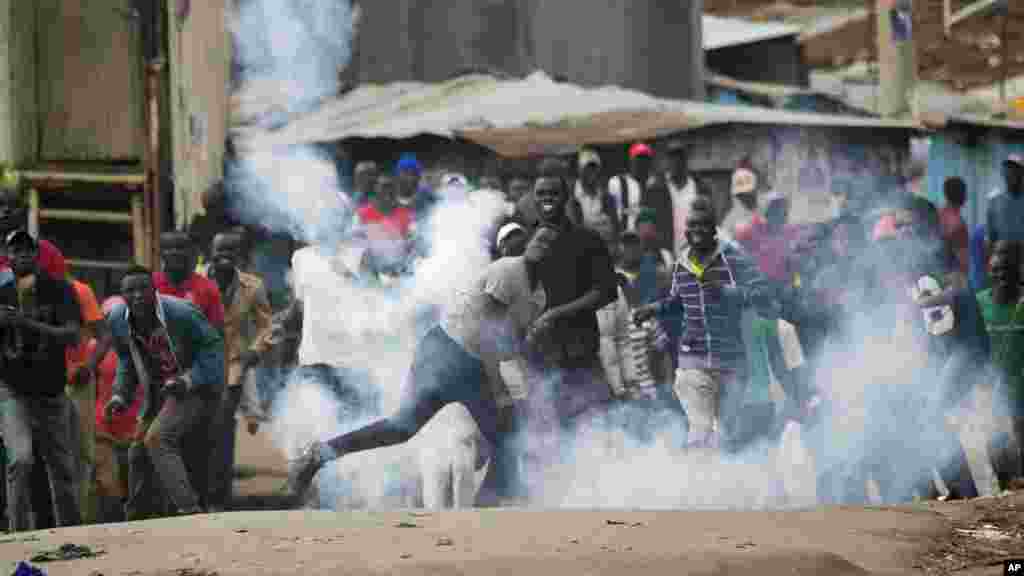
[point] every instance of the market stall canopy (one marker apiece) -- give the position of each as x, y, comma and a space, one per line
514, 117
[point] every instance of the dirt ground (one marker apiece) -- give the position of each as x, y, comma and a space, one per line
966, 538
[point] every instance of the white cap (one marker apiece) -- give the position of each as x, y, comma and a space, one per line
508, 229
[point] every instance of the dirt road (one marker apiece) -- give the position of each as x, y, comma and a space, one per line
934, 538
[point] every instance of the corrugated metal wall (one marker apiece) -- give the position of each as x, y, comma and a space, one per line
18, 118
200, 55
979, 165
801, 162
640, 44
90, 81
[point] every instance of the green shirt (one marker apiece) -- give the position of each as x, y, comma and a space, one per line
1005, 325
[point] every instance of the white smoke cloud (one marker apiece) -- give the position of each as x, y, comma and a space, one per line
880, 397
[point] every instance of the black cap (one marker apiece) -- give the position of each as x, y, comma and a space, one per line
20, 237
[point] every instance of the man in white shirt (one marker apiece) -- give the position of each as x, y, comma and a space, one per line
630, 190
593, 207
482, 327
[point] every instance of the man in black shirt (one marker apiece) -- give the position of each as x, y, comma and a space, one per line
39, 319
579, 279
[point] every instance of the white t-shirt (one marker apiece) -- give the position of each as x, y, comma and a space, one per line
682, 197
628, 203
506, 281
592, 208
332, 318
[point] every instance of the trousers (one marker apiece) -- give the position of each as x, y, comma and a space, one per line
43, 419
157, 459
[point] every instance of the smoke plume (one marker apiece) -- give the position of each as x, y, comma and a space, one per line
881, 417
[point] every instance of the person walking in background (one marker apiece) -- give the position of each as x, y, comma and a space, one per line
592, 206
954, 229
629, 190
40, 319
166, 346
743, 217
713, 282
13, 217
180, 279
388, 226
1004, 219
672, 195
412, 192
630, 363
247, 326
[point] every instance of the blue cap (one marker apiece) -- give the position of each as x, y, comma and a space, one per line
408, 163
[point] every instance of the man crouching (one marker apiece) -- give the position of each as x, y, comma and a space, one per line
166, 345
484, 325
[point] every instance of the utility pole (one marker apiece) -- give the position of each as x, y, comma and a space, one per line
897, 67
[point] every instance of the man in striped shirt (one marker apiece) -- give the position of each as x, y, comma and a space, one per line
712, 283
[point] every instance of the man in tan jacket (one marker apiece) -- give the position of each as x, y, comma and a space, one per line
247, 324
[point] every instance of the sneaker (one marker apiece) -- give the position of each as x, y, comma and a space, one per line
302, 470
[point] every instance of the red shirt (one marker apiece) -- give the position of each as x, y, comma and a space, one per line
198, 290
121, 426
954, 231
745, 232
394, 224
50, 260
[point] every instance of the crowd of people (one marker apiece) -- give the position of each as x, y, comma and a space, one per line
663, 298
641, 290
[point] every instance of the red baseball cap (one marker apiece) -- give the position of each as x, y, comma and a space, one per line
640, 149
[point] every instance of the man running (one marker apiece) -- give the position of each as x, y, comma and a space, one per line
485, 325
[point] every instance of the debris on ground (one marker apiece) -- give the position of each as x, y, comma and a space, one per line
26, 569
406, 525
66, 552
623, 523
445, 541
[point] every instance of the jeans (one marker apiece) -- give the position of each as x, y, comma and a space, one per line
45, 420
222, 466
156, 459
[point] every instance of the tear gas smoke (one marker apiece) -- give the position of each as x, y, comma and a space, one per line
881, 410
300, 47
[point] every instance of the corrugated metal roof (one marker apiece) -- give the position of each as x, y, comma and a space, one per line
507, 115
724, 32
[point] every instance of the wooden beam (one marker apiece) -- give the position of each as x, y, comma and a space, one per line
138, 229
33, 212
99, 264
58, 176
103, 216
